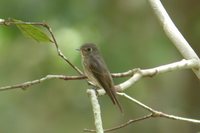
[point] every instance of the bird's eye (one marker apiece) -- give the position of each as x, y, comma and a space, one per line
89, 49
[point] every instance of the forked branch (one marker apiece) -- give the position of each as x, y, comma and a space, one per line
136, 75
153, 114
173, 33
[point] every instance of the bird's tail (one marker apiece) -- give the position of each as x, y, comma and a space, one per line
113, 97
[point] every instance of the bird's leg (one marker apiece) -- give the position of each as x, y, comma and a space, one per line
94, 87
96, 91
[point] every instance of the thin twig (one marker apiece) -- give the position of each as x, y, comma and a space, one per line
60, 52
128, 73
173, 117
122, 125
156, 113
45, 25
34, 82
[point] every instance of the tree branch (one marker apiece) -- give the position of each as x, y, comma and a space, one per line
156, 113
138, 73
184, 64
8, 22
122, 125
153, 114
96, 110
37, 81
173, 33
64, 77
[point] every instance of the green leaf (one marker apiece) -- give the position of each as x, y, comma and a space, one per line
32, 31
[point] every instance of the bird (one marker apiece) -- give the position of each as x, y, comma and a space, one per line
97, 71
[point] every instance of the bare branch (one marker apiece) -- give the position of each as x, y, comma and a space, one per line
156, 113
122, 125
128, 123
60, 52
129, 73
37, 81
139, 73
173, 33
34, 82
96, 110
184, 64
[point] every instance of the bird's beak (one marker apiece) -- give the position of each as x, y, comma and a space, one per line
78, 49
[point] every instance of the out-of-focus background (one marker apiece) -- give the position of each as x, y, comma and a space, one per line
129, 36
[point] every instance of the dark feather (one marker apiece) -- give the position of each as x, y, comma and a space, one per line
101, 74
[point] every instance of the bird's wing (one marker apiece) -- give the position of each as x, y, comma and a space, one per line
103, 76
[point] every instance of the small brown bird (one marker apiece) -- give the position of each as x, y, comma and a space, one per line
97, 72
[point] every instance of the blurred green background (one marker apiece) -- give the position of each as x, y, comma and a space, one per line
129, 36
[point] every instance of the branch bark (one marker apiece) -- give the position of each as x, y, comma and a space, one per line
173, 33
96, 110
153, 114
37, 81
156, 113
138, 73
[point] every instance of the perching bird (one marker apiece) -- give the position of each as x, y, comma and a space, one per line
97, 72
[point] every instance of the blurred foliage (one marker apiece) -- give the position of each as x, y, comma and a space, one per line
129, 36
